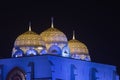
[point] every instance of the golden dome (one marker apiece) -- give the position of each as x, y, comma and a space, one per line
77, 47
53, 35
29, 38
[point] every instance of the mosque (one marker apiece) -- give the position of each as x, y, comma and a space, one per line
51, 56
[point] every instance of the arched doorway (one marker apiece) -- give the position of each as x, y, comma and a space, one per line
16, 74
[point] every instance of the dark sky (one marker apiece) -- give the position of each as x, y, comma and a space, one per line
96, 24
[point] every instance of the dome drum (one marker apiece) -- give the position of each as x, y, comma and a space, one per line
85, 57
37, 50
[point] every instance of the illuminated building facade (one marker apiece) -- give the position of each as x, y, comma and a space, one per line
50, 56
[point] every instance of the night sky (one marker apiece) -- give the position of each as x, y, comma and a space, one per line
96, 23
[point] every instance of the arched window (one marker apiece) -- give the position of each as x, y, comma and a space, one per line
16, 74
55, 50
18, 53
75, 56
66, 51
87, 58
31, 52
43, 51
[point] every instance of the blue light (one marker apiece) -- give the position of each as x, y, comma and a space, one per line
18, 53
31, 52
55, 50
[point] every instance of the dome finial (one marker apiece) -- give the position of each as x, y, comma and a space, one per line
52, 25
73, 34
29, 26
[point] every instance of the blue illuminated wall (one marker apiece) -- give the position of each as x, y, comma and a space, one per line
48, 67
71, 69
40, 63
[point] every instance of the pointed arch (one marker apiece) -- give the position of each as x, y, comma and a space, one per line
31, 52
18, 53
55, 50
16, 74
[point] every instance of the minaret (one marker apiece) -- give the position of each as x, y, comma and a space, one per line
52, 25
29, 26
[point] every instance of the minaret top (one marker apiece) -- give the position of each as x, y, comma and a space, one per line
29, 26
73, 34
52, 25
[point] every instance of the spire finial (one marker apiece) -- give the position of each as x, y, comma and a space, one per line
52, 25
29, 26
73, 34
